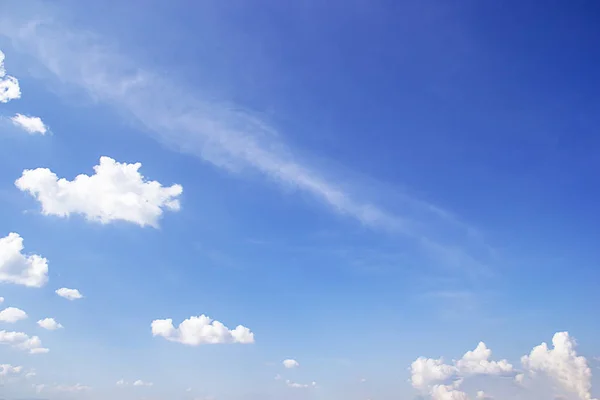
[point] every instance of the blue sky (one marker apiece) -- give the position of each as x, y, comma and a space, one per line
364, 183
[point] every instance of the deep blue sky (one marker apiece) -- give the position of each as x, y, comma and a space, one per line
472, 126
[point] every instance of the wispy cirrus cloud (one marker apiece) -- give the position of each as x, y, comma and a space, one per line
223, 134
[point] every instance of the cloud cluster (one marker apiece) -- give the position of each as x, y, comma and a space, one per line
9, 85
9, 370
12, 315
30, 124
195, 331
115, 192
561, 364
22, 341
69, 294
18, 268
296, 385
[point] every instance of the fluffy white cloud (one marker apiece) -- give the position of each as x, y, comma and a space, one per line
481, 395
49, 324
562, 364
18, 268
69, 294
195, 331
9, 85
22, 341
447, 392
115, 192
477, 362
425, 371
296, 385
12, 315
140, 382
1, 300
290, 363
8, 370
30, 124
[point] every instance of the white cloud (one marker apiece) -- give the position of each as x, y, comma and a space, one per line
115, 192
139, 382
519, 378
447, 392
562, 364
481, 395
1, 300
18, 268
300, 385
30, 124
49, 324
477, 362
12, 315
9, 370
195, 331
121, 382
9, 85
290, 363
69, 294
425, 371
22, 341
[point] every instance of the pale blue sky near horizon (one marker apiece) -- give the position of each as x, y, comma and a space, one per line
463, 137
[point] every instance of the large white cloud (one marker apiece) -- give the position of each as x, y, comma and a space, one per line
195, 331
562, 364
30, 124
115, 192
569, 371
290, 363
18, 268
9, 85
49, 324
12, 315
22, 341
69, 294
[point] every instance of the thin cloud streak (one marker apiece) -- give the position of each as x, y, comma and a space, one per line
222, 135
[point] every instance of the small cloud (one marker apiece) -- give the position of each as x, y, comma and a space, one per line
12, 315
290, 363
49, 324
9, 85
22, 341
296, 385
199, 330
31, 125
21, 269
69, 294
139, 382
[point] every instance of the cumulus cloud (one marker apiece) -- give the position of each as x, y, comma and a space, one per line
430, 375
121, 382
9, 85
12, 315
562, 364
140, 382
1, 300
290, 363
31, 125
195, 331
9, 370
22, 341
69, 294
18, 268
49, 324
569, 371
115, 192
